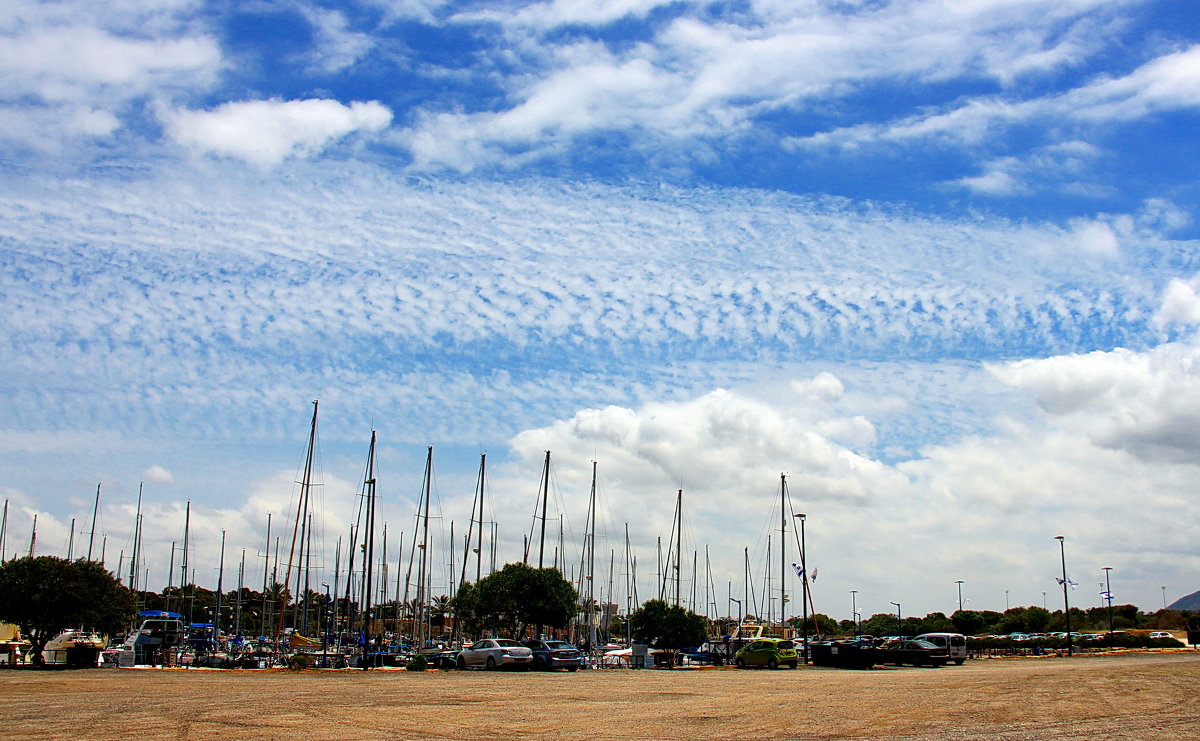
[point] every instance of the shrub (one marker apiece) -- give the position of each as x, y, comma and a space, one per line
299, 662
417, 663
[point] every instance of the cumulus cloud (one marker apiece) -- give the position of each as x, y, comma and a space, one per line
158, 475
1146, 404
1181, 303
266, 132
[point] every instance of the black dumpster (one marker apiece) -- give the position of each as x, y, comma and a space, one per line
843, 654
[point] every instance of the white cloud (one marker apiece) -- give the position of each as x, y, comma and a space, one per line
705, 77
158, 475
337, 47
266, 132
1145, 404
1181, 303
68, 71
1168, 83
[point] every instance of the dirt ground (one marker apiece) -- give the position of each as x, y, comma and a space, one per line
1132, 696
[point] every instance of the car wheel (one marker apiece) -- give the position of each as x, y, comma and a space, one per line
461, 664
959, 661
572, 668
491, 664
538, 664
740, 662
772, 663
793, 664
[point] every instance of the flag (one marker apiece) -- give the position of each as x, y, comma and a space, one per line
814, 575
1072, 582
799, 570
1106, 595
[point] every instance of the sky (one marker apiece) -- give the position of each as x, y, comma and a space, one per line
937, 263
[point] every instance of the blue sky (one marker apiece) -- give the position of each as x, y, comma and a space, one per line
935, 261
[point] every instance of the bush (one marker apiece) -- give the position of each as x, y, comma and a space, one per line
299, 662
417, 663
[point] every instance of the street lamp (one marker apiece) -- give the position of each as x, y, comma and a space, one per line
1164, 590
1062, 550
899, 624
803, 588
959, 582
1108, 598
854, 610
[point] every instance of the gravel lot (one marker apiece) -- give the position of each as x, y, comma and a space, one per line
1148, 695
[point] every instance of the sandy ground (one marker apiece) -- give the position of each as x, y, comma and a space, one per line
1132, 696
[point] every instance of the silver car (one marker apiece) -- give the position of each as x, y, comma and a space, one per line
493, 653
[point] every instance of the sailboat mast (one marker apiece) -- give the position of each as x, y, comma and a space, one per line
545, 502
678, 544
301, 515
369, 559
137, 542
782, 549
478, 537
266, 570
216, 626
423, 570
591, 572
95, 510
187, 525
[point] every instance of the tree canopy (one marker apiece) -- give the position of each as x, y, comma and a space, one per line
46, 595
517, 597
669, 627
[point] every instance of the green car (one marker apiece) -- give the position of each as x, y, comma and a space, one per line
768, 652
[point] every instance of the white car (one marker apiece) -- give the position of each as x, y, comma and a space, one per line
493, 653
1161, 634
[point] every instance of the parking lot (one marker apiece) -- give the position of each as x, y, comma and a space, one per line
1133, 696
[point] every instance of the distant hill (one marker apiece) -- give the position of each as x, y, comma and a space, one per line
1190, 602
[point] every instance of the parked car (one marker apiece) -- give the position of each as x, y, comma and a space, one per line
954, 643
768, 652
494, 653
549, 655
1161, 634
917, 653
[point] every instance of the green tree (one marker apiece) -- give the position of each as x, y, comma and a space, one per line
669, 627
516, 598
47, 595
968, 622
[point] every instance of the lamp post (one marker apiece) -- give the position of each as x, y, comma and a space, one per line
1164, 591
959, 582
803, 588
1108, 599
899, 624
854, 610
1062, 550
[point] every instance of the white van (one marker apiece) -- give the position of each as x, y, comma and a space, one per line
955, 643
